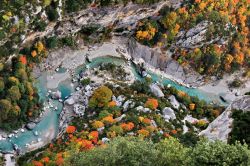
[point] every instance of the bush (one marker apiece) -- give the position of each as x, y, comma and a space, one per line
235, 84
85, 82
51, 42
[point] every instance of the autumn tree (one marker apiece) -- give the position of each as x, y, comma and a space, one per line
100, 97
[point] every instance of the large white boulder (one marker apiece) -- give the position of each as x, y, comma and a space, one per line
156, 90
168, 114
174, 102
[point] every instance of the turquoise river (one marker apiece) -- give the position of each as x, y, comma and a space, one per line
50, 120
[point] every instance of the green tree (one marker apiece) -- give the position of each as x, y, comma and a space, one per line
14, 93
52, 14
51, 42
5, 106
218, 153
13, 81
21, 74
1, 84
171, 152
120, 151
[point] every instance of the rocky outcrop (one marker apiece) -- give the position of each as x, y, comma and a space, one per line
156, 59
194, 37
220, 128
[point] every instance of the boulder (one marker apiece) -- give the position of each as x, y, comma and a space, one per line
168, 114
30, 125
56, 95
156, 90
174, 102
69, 101
126, 105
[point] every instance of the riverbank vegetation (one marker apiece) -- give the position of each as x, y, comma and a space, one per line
139, 114
221, 29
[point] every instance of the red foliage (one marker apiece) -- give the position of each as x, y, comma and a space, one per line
23, 59
71, 129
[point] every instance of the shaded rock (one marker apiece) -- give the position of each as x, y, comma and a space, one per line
174, 102
30, 125
56, 95
156, 90
69, 101
126, 105
168, 114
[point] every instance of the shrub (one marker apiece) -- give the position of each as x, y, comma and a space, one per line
85, 81
235, 84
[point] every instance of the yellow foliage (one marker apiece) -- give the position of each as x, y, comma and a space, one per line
39, 47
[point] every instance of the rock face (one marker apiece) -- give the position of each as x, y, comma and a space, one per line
168, 113
194, 37
164, 62
220, 128
156, 90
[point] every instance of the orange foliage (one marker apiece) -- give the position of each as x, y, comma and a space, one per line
239, 58
93, 135
173, 131
70, 129
143, 132
86, 144
37, 163
108, 119
112, 104
45, 159
23, 59
34, 53
192, 106
146, 121
127, 126
202, 5
152, 104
